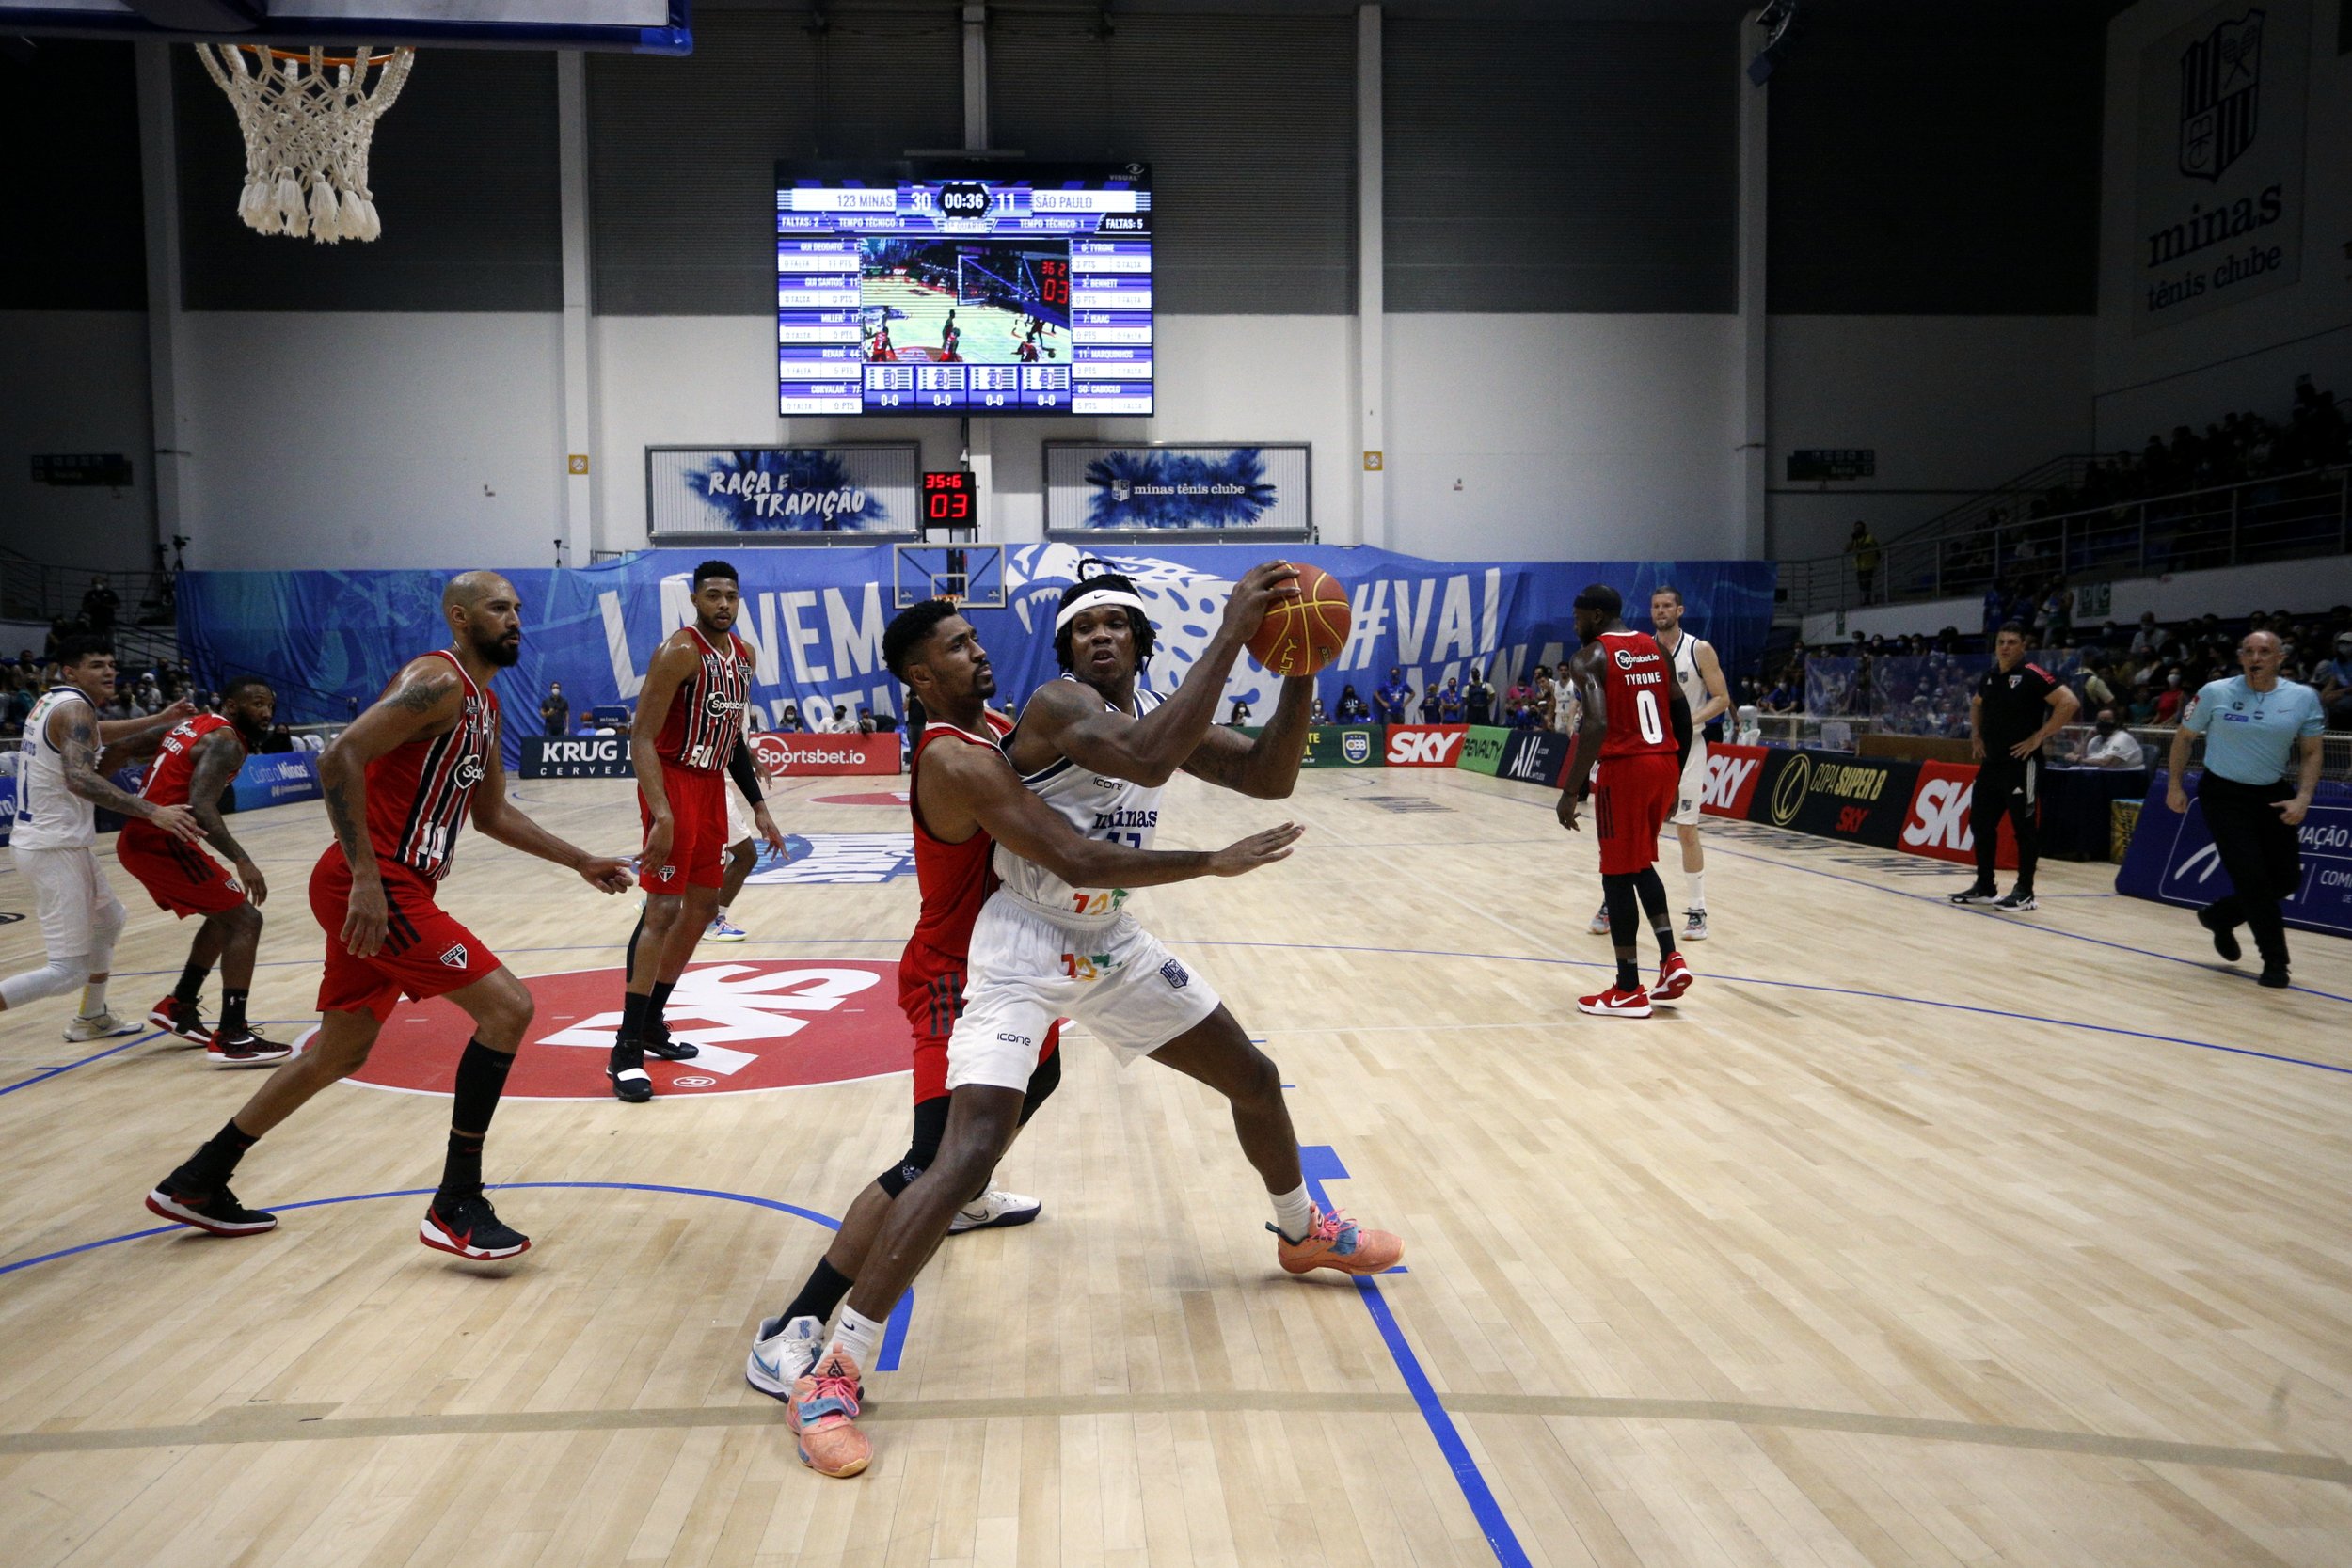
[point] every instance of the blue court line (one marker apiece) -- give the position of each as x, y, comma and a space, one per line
48, 1072
1975, 914
1784, 985
894, 1338
1320, 1162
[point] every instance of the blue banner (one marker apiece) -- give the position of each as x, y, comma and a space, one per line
8, 806
1145, 489
330, 640
275, 779
2172, 860
719, 490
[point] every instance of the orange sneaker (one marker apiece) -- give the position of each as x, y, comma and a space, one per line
1335, 1241
822, 1413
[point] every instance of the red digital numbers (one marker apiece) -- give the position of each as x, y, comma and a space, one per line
1052, 283
947, 497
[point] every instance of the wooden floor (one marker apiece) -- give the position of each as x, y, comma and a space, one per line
1915, 1235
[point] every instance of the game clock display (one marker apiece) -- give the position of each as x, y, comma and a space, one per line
950, 499
949, 288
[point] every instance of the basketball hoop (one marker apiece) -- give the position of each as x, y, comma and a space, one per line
306, 118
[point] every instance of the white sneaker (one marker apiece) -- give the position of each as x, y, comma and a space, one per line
993, 1207
102, 1026
723, 929
783, 1354
1599, 926
1694, 925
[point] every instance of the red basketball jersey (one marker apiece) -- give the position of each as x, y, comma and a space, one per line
419, 793
955, 879
706, 717
175, 761
1638, 684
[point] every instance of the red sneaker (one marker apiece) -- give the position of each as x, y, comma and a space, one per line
1674, 978
182, 1019
1613, 1002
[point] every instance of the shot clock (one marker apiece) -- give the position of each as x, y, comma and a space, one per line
950, 500
945, 287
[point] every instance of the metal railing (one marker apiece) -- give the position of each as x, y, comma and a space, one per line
2279, 517
1843, 733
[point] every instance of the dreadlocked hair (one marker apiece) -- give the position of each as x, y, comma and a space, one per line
1137, 622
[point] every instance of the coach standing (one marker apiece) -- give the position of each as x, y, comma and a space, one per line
2018, 706
2252, 723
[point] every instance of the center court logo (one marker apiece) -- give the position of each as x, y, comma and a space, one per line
838, 858
761, 1025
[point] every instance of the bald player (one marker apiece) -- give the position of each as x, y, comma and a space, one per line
400, 784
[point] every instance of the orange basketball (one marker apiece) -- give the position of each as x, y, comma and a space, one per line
1300, 636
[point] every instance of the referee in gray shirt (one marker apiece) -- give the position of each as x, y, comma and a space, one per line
2254, 725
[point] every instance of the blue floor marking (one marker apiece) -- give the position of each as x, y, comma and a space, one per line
1320, 1162
893, 1342
48, 1072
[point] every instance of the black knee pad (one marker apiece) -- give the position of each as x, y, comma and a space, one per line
930, 1124
1043, 1081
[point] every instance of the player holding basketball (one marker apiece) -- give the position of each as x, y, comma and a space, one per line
67, 752
1095, 749
1700, 675
965, 798
688, 737
1636, 728
400, 784
194, 762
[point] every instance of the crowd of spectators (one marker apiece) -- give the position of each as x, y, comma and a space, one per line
138, 693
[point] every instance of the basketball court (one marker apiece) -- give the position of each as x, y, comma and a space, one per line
1865, 1253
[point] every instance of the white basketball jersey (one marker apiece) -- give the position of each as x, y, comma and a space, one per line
1685, 661
48, 814
1099, 807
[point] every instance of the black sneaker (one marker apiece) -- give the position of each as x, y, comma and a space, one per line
659, 1043
2224, 940
182, 1019
243, 1048
216, 1213
2275, 977
631, 1085
2018, 902
469, 1227
1977, 895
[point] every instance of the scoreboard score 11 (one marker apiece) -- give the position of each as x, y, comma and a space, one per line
950, 500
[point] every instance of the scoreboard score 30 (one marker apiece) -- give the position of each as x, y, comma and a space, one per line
940, 286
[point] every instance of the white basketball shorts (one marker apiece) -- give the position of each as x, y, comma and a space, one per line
1693, 788
1028, 969
739, 824
70, 893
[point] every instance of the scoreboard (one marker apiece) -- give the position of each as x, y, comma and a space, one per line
946, 287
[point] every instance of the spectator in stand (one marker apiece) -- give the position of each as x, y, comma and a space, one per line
99, 607
1780, 699
2111, 745
2169, 700
788, 722
842, 724
1478, 699
2149, 638
885, 722
1240, 714
1392, 699
1315, 714
1523, 716
1450, 703
1352, 709
1864, 548
555, 714
278, 740
1543, 695
2333, 679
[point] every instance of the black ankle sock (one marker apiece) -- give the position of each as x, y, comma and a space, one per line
191, 984
232, 1010
660, 1001
461, 1172
1628, 974
826, 1286
212, 1165
633, 1011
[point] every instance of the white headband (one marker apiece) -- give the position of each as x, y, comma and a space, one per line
1092, 598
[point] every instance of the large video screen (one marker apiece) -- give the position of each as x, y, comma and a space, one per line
953, 287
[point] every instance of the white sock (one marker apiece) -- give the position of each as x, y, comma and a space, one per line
858, 1337
722, 911
93, 998
1294, 1214
1696, 882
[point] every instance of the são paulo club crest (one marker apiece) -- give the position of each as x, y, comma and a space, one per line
762, 1024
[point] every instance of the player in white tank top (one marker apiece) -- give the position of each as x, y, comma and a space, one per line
59, 787
1097, 749
1700, 675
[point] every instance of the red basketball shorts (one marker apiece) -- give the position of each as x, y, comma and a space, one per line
425, 952
931, 991
177, 874
1631, 803
698, 839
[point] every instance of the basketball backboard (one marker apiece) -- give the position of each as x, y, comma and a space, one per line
641, 26
968, 574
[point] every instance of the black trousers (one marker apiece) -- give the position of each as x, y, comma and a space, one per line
2262, 855
2008, 786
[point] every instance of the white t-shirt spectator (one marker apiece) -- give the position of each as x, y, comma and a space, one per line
2119, 750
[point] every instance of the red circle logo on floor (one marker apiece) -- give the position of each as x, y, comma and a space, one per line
871, 797
761, 1024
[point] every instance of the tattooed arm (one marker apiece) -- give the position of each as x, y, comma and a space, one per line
129, 741
73, 730
424, 699
218, 755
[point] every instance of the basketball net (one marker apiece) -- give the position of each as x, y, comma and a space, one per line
306, 120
